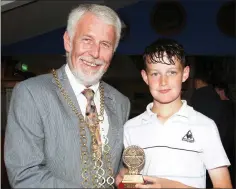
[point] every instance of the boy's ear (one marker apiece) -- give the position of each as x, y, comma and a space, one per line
144, 76
185, 73
67, 44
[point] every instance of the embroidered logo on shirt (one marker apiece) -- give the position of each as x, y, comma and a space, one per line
188, 137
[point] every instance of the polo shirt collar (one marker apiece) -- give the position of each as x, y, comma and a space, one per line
183, 111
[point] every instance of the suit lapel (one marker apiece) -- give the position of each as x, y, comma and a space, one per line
110, 108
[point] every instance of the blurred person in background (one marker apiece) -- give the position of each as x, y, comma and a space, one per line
227, 128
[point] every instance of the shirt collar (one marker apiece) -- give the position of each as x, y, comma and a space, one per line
183, 111
149, 111
77, 87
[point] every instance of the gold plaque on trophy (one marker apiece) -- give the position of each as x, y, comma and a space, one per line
134, 159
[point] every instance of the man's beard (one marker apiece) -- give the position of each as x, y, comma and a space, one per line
86, 79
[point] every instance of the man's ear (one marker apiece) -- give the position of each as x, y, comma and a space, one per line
144, 76
185, 73
67, 42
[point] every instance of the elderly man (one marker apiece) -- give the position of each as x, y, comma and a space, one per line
65, 129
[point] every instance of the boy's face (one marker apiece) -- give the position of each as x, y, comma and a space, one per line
165, 81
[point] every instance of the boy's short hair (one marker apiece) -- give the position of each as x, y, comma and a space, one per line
164, 45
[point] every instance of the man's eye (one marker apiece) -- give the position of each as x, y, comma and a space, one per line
154, 74
86, 40
105, 45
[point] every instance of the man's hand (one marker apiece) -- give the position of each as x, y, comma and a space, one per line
155, 182
120, 176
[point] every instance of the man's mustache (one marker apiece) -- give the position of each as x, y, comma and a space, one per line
92, 60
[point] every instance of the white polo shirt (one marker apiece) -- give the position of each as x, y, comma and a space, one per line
181, 149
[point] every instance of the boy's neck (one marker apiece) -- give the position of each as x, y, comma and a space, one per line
165, 111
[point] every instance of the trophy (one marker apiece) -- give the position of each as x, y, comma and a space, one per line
134, 158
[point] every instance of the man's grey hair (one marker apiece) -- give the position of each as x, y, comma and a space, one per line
105, 13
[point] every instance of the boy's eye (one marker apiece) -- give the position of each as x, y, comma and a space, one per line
172, 73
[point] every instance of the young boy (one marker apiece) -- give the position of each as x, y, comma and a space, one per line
179, 142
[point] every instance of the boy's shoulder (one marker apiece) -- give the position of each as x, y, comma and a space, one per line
136, 121
197, 118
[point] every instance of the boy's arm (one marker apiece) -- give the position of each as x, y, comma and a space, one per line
220, 177
214, 157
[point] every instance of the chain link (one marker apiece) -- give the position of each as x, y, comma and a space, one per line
107, 156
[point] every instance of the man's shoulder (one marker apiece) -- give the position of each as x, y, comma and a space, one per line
113, 91
37, 82
205, 94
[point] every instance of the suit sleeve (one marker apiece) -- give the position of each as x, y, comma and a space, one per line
24, 145
128, 109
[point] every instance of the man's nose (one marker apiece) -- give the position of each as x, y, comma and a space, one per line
95, 50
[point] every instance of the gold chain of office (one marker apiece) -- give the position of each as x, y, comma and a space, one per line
98, 173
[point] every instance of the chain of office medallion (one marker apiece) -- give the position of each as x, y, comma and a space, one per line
83, 138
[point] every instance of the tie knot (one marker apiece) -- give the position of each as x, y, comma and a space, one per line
88, 93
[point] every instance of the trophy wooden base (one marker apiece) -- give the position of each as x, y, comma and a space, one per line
130, 181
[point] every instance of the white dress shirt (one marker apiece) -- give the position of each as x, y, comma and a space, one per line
78, 88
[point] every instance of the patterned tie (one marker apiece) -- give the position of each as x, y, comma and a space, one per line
91, 118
